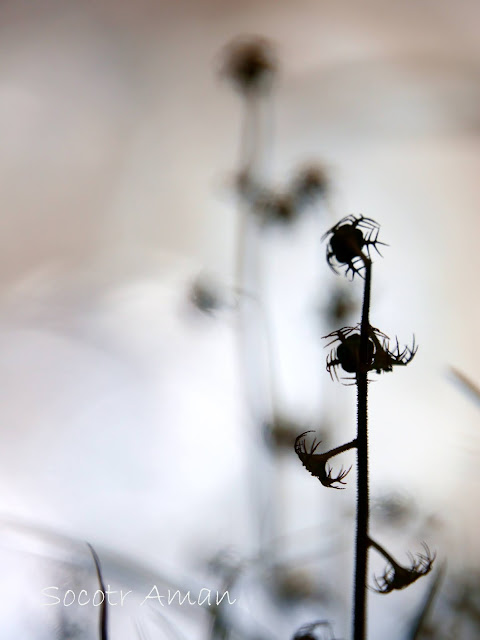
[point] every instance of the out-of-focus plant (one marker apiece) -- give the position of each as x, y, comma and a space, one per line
250, 66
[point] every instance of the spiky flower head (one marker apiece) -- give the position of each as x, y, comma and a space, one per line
250, 64
317, 463
381, 357
349, 243
311, 182
397, 577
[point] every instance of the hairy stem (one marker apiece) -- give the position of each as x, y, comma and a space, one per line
363, 508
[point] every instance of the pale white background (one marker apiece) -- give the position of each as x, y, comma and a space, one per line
121, 417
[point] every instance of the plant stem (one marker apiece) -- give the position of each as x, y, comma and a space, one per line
362, 541
256, 383
340, 449
383, 552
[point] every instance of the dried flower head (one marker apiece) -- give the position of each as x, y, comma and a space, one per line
248, 187
310, 183
205, 296
317, 463
250, 64
276, 209
386, 358
349, 243
281, 207
340, 306
380, 357
396, 577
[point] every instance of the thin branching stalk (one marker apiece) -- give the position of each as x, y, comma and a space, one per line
363, 506
250, 66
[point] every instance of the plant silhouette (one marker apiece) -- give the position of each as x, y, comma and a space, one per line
358, 351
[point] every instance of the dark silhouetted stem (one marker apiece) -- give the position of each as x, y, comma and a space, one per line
341, 449
363, 508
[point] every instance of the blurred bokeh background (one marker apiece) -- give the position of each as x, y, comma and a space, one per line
122, 391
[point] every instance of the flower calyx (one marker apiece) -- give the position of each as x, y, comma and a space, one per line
349, 243
317, 463
380, 357
310, 183
250, 65
397, 577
